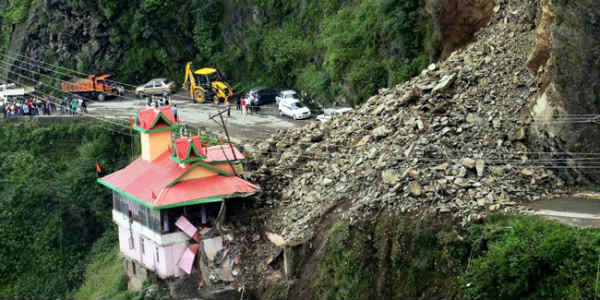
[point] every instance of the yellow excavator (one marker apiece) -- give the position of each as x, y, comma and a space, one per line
206, 84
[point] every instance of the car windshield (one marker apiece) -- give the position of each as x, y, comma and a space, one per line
297, 105
289, 96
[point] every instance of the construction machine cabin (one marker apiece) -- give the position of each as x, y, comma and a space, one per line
206, 84
168, 203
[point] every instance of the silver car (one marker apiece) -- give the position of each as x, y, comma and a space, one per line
157, 86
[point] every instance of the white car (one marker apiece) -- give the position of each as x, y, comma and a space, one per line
293, 109
328, 114
286, 95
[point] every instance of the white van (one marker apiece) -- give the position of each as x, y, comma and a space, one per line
293, 109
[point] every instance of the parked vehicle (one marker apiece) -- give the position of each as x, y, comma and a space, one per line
263, 95
287, 94
207, 84
293, 108
330, 113
95, 86
157, 86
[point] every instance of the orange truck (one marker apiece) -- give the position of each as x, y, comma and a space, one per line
94, 86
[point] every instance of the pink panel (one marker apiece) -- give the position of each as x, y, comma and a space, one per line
187, 260
184, 224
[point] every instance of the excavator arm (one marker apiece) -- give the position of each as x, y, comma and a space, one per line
189, 76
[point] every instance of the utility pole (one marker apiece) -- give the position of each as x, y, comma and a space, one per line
220, 114
223, 209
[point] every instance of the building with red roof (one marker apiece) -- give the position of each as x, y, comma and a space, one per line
171, 178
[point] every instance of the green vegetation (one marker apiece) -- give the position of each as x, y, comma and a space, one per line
16, 11
506, 257
104, 275
51, 209
329, 49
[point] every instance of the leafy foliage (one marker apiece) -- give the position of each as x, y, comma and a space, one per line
507, 257
15, 13
104, 276
529, 258
332, 49
392, 258
51, 209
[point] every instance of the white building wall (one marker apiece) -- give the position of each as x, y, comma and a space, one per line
170, 247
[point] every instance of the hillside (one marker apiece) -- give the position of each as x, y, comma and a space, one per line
334, 50
458, 139
471, 135
52, 210
466, 111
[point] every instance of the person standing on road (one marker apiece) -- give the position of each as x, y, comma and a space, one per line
175, 112
74, 106
239, 102
83, 106
243, 103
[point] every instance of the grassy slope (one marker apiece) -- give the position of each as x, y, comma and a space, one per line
506, 257
104, 275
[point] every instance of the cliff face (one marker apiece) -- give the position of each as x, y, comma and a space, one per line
330, 49
564, 61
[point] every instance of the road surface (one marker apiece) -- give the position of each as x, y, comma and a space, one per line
581, 209
242, 128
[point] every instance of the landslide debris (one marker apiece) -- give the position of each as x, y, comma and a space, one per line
453, 140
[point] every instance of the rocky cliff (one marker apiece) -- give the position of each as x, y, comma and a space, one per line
564, 62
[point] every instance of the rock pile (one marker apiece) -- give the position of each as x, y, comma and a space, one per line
453, 140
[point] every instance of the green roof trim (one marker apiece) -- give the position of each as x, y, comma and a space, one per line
192, 202
130, 196
174, 127
208, 166
145, 204
161, 115
194, 166
183, 161
196, 151
176, 180
214, 162
187, 158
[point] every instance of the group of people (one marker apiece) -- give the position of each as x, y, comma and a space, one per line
36, 106
72, 105
162, 101
247, 103
27, 107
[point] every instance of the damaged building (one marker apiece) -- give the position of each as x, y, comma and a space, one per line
169, 203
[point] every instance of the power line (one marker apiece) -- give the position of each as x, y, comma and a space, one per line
430, 160
88, 115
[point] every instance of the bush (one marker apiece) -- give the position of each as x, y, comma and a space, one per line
52, 210
506, 257
524, 257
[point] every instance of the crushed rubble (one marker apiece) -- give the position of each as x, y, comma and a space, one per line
453, 140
